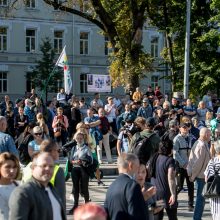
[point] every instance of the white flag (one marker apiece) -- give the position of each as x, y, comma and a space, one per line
62, 58
63, 62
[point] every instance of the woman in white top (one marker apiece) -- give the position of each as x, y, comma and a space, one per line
9, 171
111, 114
214, 165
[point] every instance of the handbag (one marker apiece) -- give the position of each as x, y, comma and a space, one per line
67, 170
57, 134
212, 186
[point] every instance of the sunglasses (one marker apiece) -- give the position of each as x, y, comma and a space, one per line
38, 134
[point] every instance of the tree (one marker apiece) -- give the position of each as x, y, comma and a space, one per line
205, 39
44, 75
122, 22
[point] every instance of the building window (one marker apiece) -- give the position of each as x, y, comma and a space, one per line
154, 46
30, 40
108, 48
84, 43
30, 4
154, 81
3, 2
83, 83
3, 38
3, 82
58, 41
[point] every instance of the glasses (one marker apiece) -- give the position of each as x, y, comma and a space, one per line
44, 166
38, 134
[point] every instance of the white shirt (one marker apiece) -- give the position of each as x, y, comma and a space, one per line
5, 192
55, 205
112, 113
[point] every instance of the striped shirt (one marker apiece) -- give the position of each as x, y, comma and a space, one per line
215, 202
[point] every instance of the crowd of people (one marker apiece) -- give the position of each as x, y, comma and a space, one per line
159, 142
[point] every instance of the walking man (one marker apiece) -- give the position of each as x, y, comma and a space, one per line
37, 198
198, 160
124, 199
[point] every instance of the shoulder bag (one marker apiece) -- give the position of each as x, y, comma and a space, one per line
212, 186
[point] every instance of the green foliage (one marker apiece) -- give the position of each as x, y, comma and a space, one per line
122, 22
44, 69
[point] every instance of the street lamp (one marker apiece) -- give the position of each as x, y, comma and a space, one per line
187, 48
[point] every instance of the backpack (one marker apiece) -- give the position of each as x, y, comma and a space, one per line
142, 148
24, 156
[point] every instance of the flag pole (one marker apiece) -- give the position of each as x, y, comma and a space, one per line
47, 82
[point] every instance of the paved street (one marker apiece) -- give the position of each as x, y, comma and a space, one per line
97, 195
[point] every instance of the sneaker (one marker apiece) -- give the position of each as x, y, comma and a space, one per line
100, 183
190, 208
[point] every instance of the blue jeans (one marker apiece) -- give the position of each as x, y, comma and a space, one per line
200, 200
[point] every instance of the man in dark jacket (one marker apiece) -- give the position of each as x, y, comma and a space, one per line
124, 199
37, 199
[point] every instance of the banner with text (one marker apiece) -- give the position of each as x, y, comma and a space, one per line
98, 83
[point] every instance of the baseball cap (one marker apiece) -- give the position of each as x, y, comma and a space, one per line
145, 100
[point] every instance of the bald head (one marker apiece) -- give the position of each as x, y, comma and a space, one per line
205, 134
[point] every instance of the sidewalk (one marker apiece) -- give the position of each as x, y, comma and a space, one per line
97, 194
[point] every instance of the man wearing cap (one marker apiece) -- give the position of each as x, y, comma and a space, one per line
182, 145
18, 103
145, 110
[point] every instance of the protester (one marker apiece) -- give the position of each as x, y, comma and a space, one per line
111, 114
60, 125
21, 121
104, 127
163, 177
80, 157
61, 97
124, 198
150, 202
137, 95
9, 171
182, 145
145, 110
6, 141
34, 146
198, 160
93, 123
147, 132
41, 123
124, 137
37, 199
97, 100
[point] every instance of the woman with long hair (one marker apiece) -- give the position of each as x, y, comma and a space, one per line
9, 171
41, 122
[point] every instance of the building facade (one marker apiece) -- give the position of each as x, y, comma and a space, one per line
21, 33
